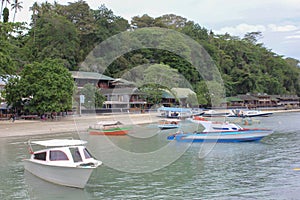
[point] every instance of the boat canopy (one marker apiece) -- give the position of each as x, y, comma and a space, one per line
59, 142
174, 109
171, 120
109, 123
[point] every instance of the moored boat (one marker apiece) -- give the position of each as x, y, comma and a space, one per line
169, 124
221, 132
109, 128
63, 162
248, 113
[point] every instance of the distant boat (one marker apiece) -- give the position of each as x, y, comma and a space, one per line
248, 113
220, 132
109, 128
174, 112
169, 124
64, 162
214, 113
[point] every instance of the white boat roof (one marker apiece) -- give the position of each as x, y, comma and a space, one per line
59, 142
108, 123
171, 120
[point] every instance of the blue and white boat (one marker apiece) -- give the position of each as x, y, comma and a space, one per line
221, 132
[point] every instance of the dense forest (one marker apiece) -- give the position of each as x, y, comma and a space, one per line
70, 32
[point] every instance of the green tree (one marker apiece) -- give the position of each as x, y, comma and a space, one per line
5, 14
152, 93
56, 38
11, 52
47, 86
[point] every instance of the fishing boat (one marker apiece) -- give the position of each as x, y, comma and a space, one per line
64, 162
109, 128
174, 112
248, 113
220, 132
169, 124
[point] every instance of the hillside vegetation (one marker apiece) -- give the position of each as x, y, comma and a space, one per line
70, 32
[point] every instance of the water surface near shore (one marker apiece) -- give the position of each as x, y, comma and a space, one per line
261, 170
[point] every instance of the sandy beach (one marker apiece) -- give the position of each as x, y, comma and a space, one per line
76, 123
69, 124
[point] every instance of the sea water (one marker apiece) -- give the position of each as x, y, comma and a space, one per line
259, 170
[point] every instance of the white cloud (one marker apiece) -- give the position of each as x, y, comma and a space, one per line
284, 28
293, 37
241, 29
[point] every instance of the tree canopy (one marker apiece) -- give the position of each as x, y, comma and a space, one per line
41, 87
70, 32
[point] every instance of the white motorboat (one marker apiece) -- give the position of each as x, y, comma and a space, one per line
64, 161
248, 113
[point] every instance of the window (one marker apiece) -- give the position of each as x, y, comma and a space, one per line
76, 154
86, 153
58, 155
40, 156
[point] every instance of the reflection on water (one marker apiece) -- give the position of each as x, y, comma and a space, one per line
261, 170
40, 189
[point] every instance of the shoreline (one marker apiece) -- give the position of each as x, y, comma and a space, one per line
75, 123
69, 124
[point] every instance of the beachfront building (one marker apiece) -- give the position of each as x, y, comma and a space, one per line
259, 100
121, 95
288, 101
83, 78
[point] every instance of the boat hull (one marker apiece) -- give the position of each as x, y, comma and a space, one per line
109, 132
222, 137
168, 126
68, 176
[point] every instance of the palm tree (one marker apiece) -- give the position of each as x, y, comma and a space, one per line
16, 6
35, 10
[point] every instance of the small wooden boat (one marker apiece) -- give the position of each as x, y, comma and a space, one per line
168, 124
109, 128
220, 132
63, 162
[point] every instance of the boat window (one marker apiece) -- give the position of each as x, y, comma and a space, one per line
87, 153
76, 154
58, 155
40, 156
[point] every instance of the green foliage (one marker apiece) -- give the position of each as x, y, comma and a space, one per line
56, 38
42, 87
70, 32
5, 14
93, 97
11, 54
152, 92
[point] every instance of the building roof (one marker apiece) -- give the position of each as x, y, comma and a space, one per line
247, 97
122, 82
233, 99
119, 91
90, 75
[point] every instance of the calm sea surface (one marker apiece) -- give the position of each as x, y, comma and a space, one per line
261, 170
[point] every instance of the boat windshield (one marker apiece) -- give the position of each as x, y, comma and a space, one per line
87, 153
76, 154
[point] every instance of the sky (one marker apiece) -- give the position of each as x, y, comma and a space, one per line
278, 20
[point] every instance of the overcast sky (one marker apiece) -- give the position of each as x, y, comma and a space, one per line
278, 20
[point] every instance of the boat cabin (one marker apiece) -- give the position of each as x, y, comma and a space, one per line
63, 156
